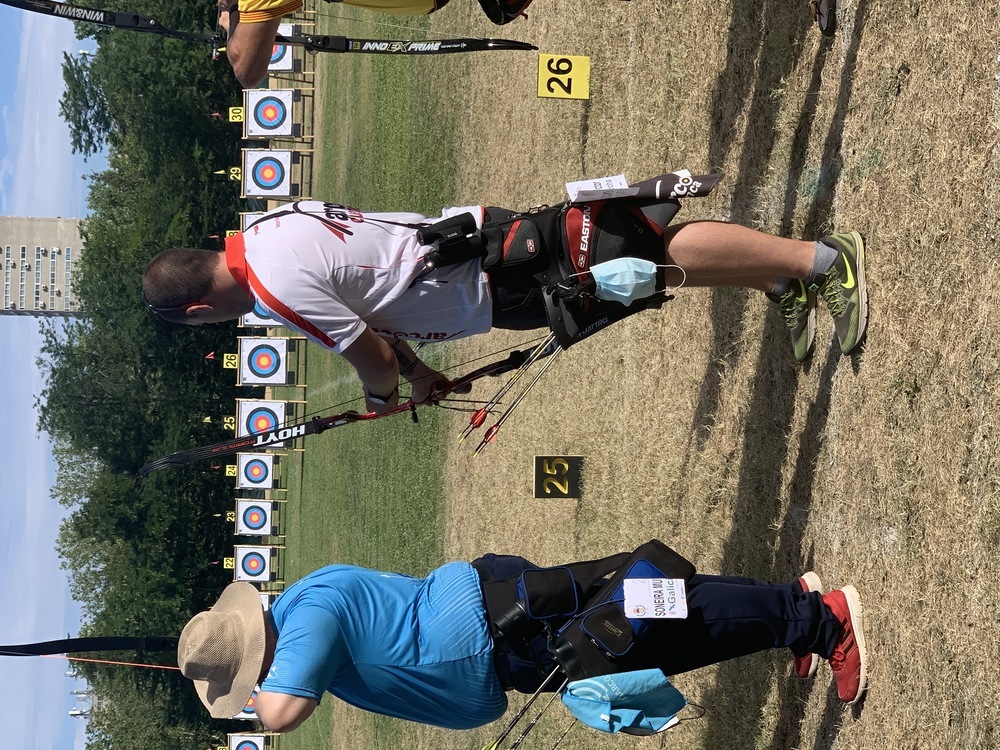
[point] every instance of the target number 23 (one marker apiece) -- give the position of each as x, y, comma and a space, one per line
564, 76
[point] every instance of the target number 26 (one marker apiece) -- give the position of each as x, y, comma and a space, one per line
564, 76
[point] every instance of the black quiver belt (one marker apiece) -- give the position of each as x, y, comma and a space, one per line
601, 639
580, 605
552, 248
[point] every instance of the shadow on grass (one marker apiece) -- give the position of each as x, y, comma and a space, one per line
763, 48
819, 218
757, 546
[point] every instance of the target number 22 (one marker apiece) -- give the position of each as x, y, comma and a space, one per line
564, 76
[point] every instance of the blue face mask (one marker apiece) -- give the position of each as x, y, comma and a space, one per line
624, 280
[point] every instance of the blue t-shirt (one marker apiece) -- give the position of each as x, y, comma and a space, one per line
414, 648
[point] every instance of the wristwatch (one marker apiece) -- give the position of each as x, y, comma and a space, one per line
381, 400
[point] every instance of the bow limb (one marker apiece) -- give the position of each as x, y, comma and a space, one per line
86, 645
317, 425
136, 22
403, 47
109, 18
515, 360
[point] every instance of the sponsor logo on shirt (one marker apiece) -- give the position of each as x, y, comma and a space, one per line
433, 336
340, 212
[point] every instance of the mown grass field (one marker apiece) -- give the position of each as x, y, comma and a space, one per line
697, 427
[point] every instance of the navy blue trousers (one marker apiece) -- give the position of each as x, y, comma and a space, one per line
728, 617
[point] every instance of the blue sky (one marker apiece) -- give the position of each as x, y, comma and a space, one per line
39, 176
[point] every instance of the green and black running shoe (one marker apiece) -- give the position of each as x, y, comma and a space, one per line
798, 309
844, 288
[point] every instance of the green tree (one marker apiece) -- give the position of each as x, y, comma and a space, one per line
84, 107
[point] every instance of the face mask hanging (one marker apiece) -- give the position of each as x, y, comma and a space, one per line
627, 280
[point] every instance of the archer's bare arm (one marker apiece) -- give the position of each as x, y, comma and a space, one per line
377, 368
283, 713
422, 377
249, 46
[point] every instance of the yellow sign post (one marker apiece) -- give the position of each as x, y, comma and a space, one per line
564, 76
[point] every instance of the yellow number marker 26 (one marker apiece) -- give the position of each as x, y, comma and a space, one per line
564, 77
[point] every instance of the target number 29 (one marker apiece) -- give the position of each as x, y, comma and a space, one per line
564, 76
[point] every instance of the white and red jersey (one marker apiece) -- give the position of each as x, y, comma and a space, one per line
330, 271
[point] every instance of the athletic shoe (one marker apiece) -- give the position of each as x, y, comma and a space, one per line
806, 666
825, 15
503, 12
798, 309
844, 289
848, 659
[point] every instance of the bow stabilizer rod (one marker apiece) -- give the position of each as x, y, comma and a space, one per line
140, 644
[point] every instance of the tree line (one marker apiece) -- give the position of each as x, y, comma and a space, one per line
122, 387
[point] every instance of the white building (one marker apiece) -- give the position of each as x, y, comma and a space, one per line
38, 257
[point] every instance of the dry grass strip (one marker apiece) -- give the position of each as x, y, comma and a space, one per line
879, 469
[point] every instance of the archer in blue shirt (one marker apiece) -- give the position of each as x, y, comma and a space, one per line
421, 648
416, 649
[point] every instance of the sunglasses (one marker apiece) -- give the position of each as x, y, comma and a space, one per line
164, 310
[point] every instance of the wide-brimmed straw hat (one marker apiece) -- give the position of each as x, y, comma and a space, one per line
222, 650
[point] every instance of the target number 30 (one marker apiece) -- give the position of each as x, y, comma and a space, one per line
564, 76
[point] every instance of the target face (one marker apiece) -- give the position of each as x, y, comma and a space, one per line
263, 361
255, 518
253, 564
255, 471
249, 707
261, 420
255, 417
248, 713
268, 174
270, 113
246, 741
247, 218
257, 317
282, 57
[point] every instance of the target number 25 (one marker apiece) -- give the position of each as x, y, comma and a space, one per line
564, 76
